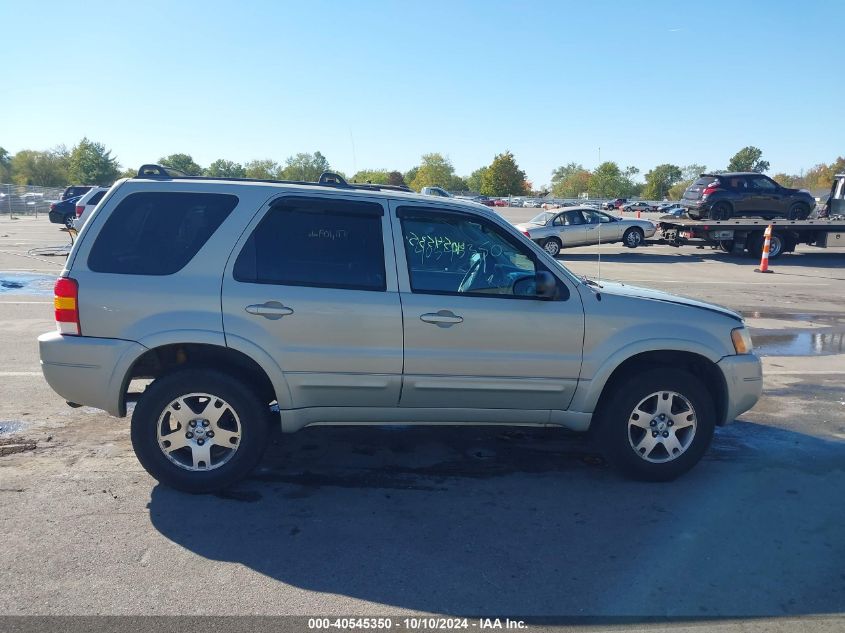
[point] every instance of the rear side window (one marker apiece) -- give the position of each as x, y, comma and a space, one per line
316, 242
158, 233
704, 181
95, 199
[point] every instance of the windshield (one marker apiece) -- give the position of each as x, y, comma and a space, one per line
541, 218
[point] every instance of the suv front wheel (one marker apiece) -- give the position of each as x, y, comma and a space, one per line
199, 430
657, 424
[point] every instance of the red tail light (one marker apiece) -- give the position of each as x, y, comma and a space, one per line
710, 189
52, 206
79, 209
67, 306
526, 234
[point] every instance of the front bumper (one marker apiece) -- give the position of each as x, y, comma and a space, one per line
744, 379
87, 370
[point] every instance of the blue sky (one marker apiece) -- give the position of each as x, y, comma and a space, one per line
377, 84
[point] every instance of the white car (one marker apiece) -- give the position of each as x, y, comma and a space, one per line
86, 204
436, 191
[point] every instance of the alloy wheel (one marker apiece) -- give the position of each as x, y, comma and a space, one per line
662, 426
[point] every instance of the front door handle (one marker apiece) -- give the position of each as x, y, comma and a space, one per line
442, 318
269, 310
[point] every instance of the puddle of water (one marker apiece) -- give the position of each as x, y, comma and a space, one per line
799, 343
26, 284
827, 319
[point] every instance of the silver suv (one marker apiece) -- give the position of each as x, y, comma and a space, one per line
251, 302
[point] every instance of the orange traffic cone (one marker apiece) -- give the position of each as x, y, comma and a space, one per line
764, 259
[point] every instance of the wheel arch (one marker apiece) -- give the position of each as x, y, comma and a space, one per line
698, 364
166, 358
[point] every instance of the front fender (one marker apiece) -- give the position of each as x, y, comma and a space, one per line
591, 385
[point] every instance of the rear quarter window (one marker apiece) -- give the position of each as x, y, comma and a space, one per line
158, 233
95, 199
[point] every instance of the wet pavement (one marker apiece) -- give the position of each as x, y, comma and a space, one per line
29, 284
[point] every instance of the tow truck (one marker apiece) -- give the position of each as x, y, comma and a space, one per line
740, 235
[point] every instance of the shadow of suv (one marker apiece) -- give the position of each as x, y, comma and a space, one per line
737, 194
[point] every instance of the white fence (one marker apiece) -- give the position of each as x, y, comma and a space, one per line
18, 200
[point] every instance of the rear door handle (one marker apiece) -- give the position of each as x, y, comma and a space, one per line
269, 310
442, 318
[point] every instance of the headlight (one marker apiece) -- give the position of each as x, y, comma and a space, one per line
741, 340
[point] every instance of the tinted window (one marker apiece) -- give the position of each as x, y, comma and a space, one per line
158, 233
313, 242
761, 182
95, 199
458, 254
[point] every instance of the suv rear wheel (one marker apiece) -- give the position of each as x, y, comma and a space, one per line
721, 211
199, 430
657, 425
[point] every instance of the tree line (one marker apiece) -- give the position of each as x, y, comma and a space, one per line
89, 162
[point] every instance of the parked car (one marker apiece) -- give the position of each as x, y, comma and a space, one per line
75, 191
743, 194
669, 207
86, 204
584, 225
436, 191
532, 204
223, 298
637, 206
500, 202
487, 202
674, 214
64, 211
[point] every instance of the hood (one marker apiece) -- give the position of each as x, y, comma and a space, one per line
624, 290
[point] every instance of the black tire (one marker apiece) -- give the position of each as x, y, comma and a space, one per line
633, 237
777, 246
552, 246
726, 246
69, 221
254, 419
798, 211
613, 434
721, 211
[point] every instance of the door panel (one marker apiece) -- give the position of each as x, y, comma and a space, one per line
282, 291
490, 348
574, 229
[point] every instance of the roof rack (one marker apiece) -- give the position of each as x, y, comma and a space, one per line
327, 179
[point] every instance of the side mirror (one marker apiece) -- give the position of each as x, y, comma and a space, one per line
545, 284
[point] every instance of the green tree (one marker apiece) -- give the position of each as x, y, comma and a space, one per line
660, 180
222, 168
748, 159
692, 172
264, 169
434, 171
457, 184
45, 169
396, 179
5, 166
374, 176
305, 167
570, 181
183, 162
606, 180
504, 177
90, 163
411, 174
129, 172
475, 179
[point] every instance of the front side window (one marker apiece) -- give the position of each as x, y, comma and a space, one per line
595, 217
316, 242
158, 233
461, 254
761, 183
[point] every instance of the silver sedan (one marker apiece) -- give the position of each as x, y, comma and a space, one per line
578, 226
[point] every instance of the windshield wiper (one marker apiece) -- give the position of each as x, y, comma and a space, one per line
590, 282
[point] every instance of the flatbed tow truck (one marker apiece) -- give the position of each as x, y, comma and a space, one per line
743, 235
